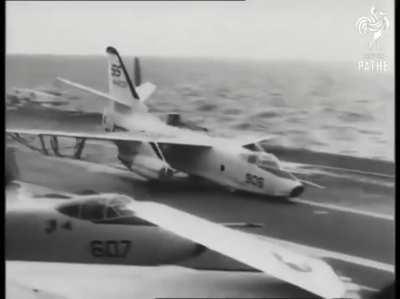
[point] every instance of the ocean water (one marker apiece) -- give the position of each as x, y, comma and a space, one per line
328, 107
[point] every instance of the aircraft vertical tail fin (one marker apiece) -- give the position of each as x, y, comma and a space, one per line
144, 90
137, 73
122, 94
119, 82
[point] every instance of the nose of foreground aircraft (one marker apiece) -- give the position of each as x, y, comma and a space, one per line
297, 191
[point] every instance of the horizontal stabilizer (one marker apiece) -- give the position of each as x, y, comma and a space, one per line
145, 90
125, 102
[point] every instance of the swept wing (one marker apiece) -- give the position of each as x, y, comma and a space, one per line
311, 274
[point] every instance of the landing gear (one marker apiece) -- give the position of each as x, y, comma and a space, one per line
17, 137
78, 148
166, 173
79, 145
54, 144
44, 149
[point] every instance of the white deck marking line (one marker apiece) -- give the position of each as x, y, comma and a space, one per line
367, 288
323, 253
350, 283
306, 166
353, 170
320, 212
344, 209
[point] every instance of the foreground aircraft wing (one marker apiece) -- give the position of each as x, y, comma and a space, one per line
16, 289
141, 136
311, 274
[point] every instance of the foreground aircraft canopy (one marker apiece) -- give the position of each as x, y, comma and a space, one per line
113, 228
230, 162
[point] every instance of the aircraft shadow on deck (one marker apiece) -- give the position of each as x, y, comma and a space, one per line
202, 187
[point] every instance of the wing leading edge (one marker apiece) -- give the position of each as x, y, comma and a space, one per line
311, 274
141, 136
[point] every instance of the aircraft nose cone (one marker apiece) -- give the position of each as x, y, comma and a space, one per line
297, 191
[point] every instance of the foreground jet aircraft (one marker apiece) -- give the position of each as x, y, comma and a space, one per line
115, 229
232, 163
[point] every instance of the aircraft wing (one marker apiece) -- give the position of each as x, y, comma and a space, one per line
311, 274
247, 140
16, 289
141, 136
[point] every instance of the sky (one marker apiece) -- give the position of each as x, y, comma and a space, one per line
274, 29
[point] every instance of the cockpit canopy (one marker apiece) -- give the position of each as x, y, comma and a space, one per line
254, 147
262, 160
267, 162
259, 157
100, 208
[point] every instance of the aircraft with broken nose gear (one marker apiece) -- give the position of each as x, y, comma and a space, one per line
158, 150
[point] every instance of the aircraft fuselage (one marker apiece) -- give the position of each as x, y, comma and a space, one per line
40, 232
229, 167
225, 163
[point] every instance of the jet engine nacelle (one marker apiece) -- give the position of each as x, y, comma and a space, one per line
175, 120
127, 151
152, 168
140, 158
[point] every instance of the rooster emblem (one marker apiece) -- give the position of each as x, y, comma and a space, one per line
376, 24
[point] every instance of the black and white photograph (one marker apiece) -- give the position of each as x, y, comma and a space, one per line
199, 149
